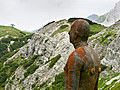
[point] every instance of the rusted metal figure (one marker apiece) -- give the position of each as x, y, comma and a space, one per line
83, 65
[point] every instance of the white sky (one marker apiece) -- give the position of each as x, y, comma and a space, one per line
33, 14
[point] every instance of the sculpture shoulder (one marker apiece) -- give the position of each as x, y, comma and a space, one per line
84, 52
78, 53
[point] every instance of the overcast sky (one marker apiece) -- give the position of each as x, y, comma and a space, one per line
33, 14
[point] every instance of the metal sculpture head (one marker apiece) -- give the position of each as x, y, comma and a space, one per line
79, 31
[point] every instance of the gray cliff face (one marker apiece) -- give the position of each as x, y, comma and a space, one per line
47, 47
111, 17
106, 43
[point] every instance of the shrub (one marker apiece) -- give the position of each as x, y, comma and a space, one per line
5, 40
63, 26
3, 77
17, 45
21, 80
116, 86
31, 70
103, 67
59, 83
13, 77
35, 57
46, 40
33, 85
3, 49
4, 57
54, 60
41, 61
19, 42
14, 67
29, 61
70, 20
7, 70
43, 84
37, 78
10, 81
37, 88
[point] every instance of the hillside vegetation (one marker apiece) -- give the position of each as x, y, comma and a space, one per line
8, 47
94, 27
39, 64
7, 30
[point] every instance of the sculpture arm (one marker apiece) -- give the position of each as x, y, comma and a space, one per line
66, 76
96, 85
74, 68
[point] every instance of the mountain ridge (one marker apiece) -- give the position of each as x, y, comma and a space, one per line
40, 63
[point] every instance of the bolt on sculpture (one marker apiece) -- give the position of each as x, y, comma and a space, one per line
83, 65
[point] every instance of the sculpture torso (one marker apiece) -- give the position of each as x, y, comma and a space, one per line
82, 69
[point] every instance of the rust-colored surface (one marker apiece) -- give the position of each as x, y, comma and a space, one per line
80, 30
83, 65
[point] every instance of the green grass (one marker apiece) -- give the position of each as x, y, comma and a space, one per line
54, 60
7, 30
94, 27
30, 61
103, 67
7, 70
5, 57
62, 28
116, 87
71, 20
31, 70
103, 80
18, 43
59, 83
107, 87
104, 38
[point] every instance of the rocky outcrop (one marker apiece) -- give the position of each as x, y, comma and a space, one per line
48, 46
106, 43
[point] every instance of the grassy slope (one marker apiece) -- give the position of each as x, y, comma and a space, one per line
59, 79
19, 41
94, 27
59, 84
7, 30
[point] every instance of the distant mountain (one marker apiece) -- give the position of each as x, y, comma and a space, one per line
92, 17
111, 17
